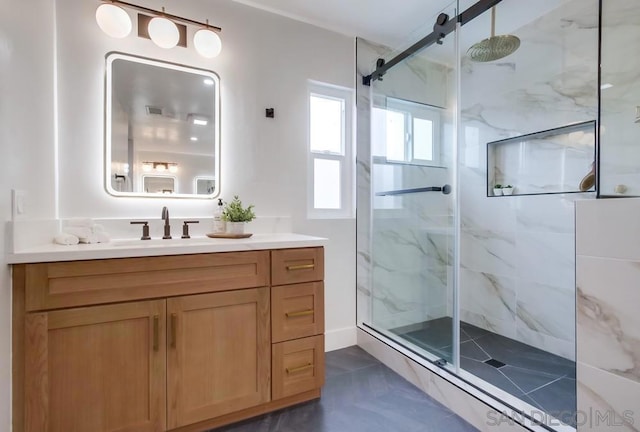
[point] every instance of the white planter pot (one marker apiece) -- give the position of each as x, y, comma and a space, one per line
507, 191
497, 192
235, 227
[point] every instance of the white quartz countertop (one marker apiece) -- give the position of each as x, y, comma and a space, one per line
129, 248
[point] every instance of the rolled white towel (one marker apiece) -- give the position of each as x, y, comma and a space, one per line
97, 228
66, 239
80, 232
81, 222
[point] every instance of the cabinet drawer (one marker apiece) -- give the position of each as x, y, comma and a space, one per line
289, 266
79, 283
297, 311
297, 366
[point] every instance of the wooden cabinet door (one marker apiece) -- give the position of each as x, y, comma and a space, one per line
219, 351
98, 369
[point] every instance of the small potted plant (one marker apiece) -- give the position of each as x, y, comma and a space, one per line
507, 190
497, 190
237, 216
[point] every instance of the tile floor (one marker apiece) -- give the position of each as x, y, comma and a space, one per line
360, 395
544, 380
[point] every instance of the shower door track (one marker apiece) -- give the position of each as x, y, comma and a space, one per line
440, 31
452, 377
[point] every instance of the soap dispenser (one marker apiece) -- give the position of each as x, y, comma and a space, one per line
219, 225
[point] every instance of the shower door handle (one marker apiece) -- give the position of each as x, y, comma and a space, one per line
446, 189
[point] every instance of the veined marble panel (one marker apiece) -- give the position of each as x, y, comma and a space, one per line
502, 327
608, 318
488, 295
548, 310
606, 402
486, 251
547, 213
546, 258
603, 228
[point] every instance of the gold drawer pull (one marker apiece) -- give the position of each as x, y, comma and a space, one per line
299, 369
299, 313
301, 267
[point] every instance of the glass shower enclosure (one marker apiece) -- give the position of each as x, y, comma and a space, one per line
464, 274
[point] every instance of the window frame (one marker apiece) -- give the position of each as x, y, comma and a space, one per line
412, 110
346, 157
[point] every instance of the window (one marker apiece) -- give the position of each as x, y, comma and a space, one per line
330, 152
402, 132
406, 132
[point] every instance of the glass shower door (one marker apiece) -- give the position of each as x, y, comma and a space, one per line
412, 178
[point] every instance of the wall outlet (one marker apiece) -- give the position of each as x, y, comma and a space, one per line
18, 204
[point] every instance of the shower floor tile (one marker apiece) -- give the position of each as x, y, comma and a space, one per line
544, 380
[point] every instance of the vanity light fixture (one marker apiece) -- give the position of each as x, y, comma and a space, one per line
207, 42
160, 167
163, 32
606, 86
194, 139
114, 20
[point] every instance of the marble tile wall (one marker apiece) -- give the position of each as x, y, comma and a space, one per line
608, 323
404, 243
517, 253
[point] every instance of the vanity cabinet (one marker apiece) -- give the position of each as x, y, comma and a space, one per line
171, 343
100, 368
218, 354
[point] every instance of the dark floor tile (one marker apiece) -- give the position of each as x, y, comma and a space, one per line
449, 424
433, 334
472, 350
367, 399
528, 380
471, 331
558, 399
347, 360
524, 356
490, 374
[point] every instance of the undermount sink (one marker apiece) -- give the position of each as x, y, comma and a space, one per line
176, 241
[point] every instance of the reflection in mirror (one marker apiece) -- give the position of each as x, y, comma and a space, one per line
158, 184
204, 185
161, 119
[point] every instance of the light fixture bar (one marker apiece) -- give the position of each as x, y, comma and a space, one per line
164, 14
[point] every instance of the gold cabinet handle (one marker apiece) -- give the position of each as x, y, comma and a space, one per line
156, 333
174, 326
299, 368
301, 267
299, 313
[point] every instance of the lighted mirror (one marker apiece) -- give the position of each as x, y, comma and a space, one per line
162, 128
159, 184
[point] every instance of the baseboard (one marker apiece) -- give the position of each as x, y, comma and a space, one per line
340, 338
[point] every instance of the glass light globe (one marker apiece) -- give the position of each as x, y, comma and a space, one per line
207, 43
163, 32
113, 20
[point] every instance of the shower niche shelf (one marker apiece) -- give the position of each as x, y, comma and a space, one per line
553, 161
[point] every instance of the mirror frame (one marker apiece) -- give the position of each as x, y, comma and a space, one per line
110, 57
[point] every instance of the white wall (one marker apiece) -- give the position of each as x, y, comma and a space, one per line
266, 62
26, 141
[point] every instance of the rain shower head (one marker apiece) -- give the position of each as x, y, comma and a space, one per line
494, 47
